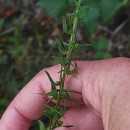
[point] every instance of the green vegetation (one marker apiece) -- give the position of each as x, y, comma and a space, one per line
28, 33
104, 10
66, 48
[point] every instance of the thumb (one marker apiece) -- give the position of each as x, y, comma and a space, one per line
107, 90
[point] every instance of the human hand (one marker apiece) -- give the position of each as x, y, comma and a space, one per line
105, 88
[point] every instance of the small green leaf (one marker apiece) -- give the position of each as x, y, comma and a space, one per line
61, 47
61, 61
53, 84
54, 8
70, 20
64, 23
41, 125
83, 11
69, 72
65, 43
54, 110
49, 100
64, 94
75, 66
82, 46
101, 55
49, 113
107, 55
2, 22
59, 123
53, 93
4, 102
99, 45
110, 8
89, 18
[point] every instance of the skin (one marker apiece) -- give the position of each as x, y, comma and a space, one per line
105, 97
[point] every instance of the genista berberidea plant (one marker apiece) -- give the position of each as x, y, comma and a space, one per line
58, 92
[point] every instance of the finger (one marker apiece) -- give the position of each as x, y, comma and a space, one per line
28, 104
81, 118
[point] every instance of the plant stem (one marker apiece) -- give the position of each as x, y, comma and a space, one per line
71, 45
65, 68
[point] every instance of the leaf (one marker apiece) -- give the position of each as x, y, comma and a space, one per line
82, 46
48, 113
65, 43
109, 9
50, 100
71, 19
59, 123
4, 102
61, 60
64, 23
41, 125
69, 72
54, 8
75, 66
90, 2
61, 47
107, 55
101, 55
53, 84
89, 19
83, 10
54, 110
2, 22
53, 93
64, 94
100, 44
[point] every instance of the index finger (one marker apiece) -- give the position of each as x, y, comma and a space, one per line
28, 104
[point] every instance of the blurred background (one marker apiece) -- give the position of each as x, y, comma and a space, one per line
28, 29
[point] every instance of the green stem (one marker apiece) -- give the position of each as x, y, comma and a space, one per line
71, 45
64, 69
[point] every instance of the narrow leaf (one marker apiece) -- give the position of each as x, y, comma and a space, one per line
64, 23
60, 60
49, 100
2, 22
53, 93
53, 109
64, 94
65, 43
82, 46
71, 19
75, 66
60, 47
41, 125
49, 113
54, 8
53, 84
59, 123
69, 72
